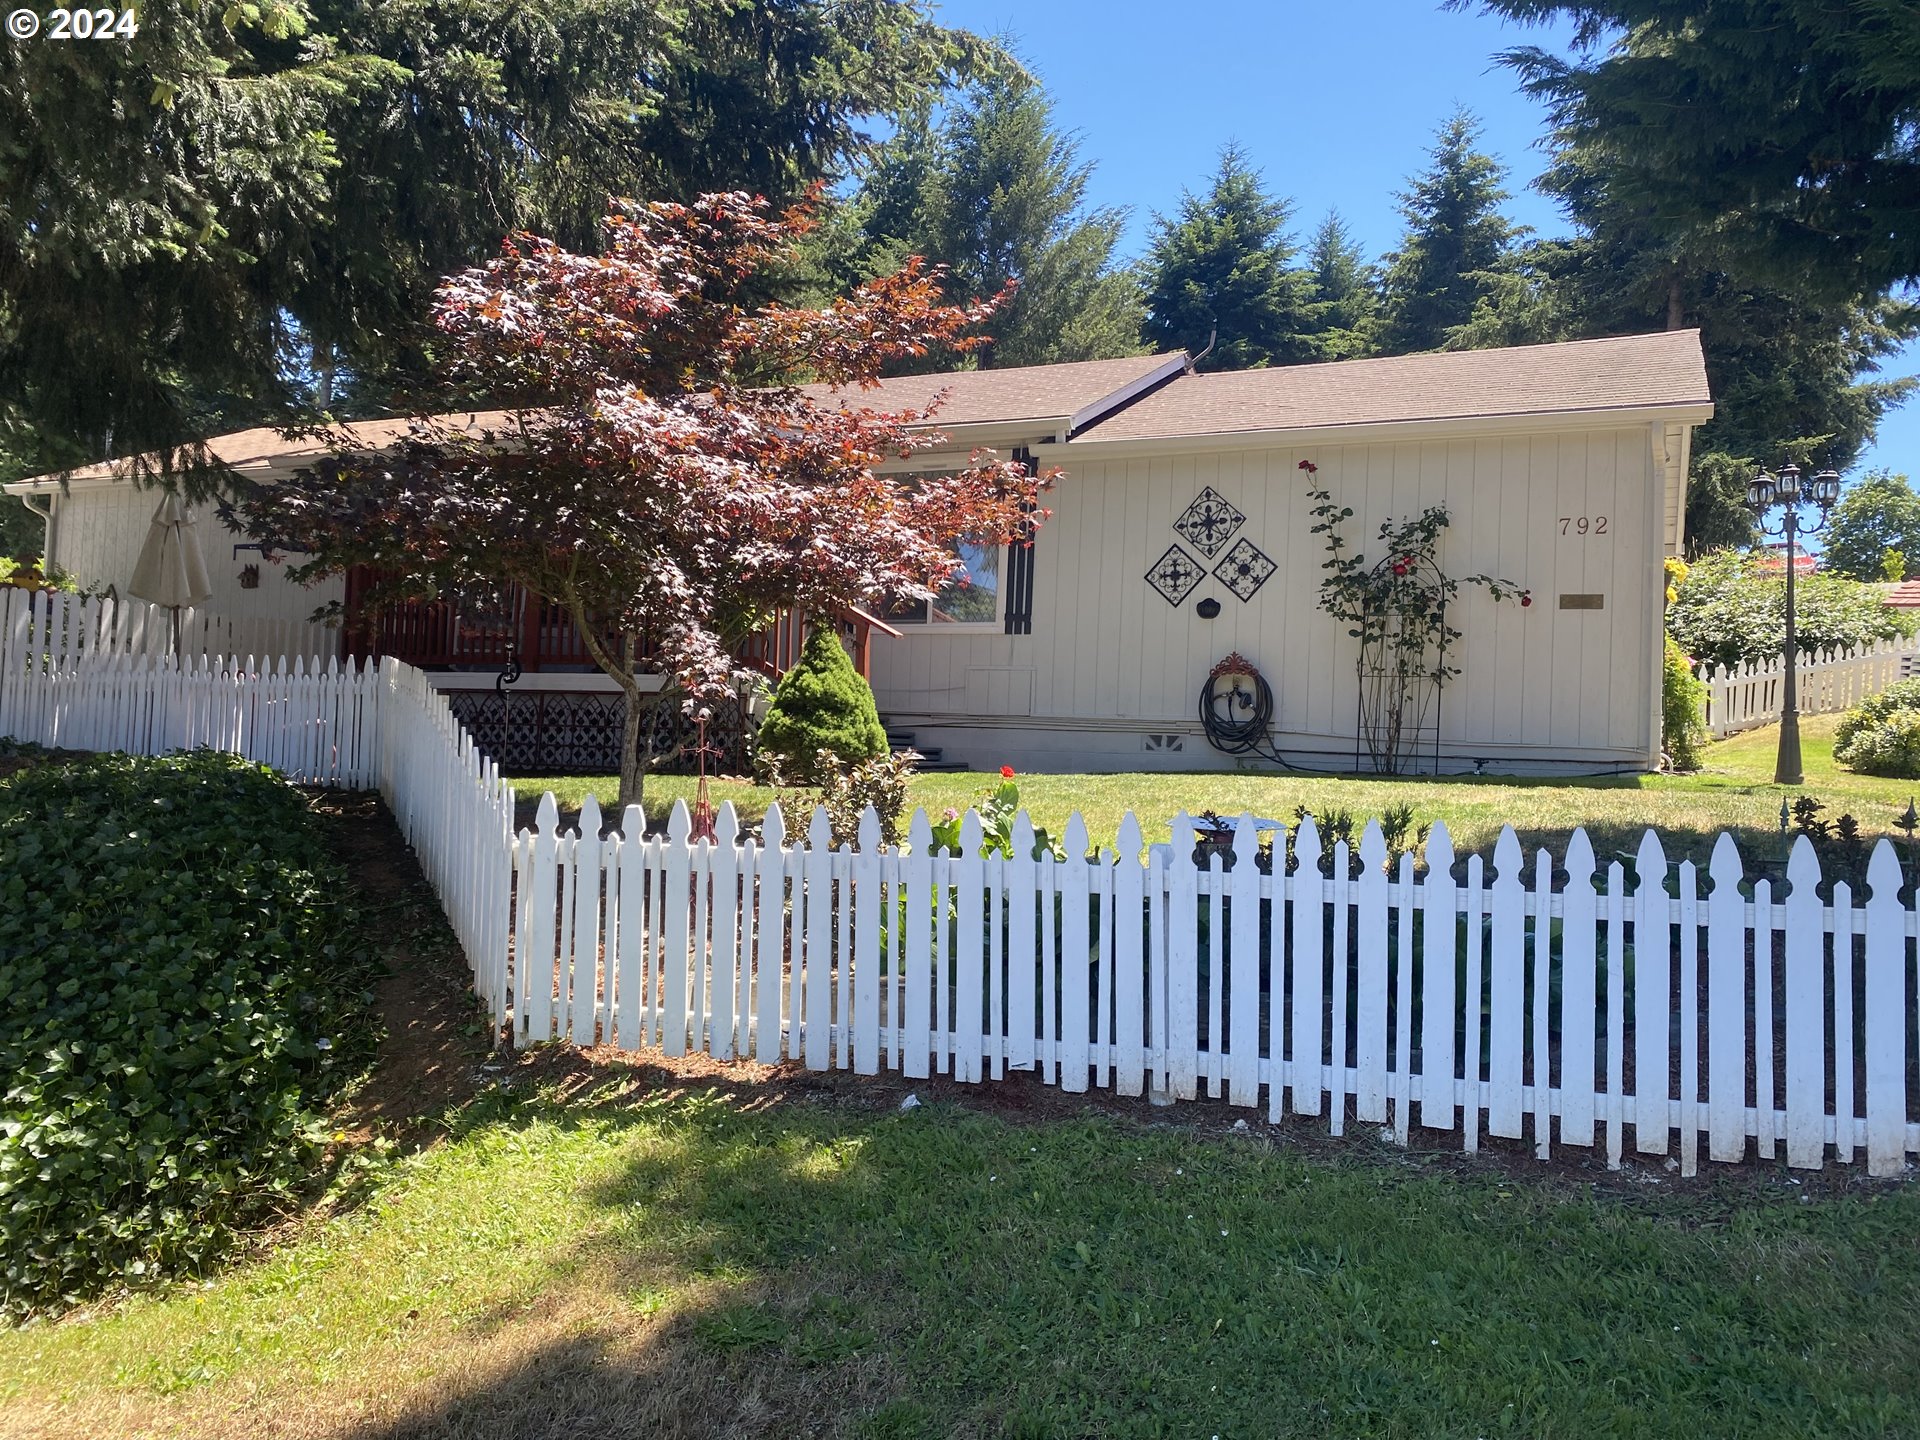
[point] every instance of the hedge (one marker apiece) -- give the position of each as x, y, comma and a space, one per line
182, 996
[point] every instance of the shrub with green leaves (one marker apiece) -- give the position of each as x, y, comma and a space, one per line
822, 703
1683, 710
1732, 611
1881, 735
183, 994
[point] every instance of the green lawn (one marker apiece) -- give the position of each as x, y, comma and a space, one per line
1734, 791
729, 1258
607, 1248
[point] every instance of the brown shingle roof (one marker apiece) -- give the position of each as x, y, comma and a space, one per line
1629, 372
265, 450
986, 397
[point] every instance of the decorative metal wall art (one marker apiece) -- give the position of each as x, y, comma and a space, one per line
1209, 522
1175, 574
1245, 569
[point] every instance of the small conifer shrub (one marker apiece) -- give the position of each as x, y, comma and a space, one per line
822, 703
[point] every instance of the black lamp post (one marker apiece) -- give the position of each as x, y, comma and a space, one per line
1764, 493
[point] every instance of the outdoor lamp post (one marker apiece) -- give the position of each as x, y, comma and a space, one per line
1764, 493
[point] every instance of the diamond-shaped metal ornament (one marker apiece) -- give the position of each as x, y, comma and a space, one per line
1209, 522
1175, 574
1245, 569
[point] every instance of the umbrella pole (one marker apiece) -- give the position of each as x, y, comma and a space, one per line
175, 611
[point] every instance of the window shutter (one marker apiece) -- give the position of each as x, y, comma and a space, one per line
1019, 569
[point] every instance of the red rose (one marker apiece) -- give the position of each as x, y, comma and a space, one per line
1526, 598
1006, 772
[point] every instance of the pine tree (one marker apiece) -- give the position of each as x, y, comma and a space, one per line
1791, 368
1221, 271
238, 215
1341, 295
1456, 240
1787, 130
996, 193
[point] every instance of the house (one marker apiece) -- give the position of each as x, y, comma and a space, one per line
1181, 536
1180, 560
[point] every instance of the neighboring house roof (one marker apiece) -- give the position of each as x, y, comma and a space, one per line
1061, 397
1632, 372
1905, 595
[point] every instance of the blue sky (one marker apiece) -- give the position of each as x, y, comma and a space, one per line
1337, 103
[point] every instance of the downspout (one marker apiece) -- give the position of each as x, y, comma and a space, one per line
46, 547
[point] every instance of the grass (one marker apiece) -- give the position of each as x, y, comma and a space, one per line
749, 1260
616, 1248
1735, 791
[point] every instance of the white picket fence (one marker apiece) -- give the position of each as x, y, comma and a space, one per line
1501, 1003
315, 722
455, 810
1546, 1001
63, 628
1751, 695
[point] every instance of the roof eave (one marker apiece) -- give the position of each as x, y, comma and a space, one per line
1689, 412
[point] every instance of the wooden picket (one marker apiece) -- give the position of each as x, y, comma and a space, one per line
1609, 1005
1828, 682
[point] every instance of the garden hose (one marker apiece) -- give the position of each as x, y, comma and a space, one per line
1237, 716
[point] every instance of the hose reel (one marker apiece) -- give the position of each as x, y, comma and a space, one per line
1236, 709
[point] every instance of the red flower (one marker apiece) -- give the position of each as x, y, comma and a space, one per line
1309, 467
1006, 772
1526, 598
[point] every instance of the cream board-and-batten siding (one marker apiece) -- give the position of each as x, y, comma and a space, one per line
1109, 662
1532, 450
99, 528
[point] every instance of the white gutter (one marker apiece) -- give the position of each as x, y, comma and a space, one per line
1092, 447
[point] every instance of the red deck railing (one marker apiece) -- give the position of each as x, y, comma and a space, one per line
437, 635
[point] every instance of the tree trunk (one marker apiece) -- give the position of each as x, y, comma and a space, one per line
1676, 311
633, 772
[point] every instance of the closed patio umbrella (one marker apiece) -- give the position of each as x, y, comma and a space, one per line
170, 570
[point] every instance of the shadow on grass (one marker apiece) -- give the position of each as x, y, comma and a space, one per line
787, 1261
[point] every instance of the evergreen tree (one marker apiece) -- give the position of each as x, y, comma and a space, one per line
1456, 240
822, 703
1223, 269
997, 194
238, 214
1787, 130
1791, 370
1342, 297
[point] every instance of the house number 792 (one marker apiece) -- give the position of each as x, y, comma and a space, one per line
1583, 524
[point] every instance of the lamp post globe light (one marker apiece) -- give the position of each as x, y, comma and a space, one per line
1786, 493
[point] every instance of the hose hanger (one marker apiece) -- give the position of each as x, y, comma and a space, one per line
1236, 709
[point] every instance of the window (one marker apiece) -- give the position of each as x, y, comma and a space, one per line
970, 600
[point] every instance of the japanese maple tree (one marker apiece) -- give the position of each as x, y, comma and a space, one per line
656, 473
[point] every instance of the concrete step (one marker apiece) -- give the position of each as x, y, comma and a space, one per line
932, 757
